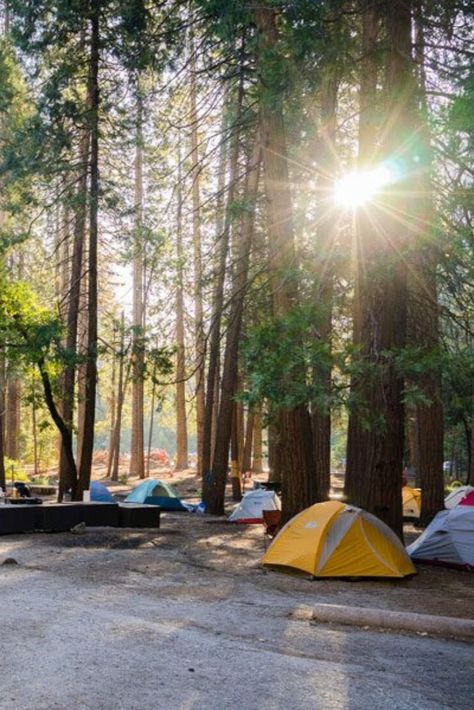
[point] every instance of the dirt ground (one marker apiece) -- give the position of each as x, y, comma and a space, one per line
186, 617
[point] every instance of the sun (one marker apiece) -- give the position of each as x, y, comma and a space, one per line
358, 188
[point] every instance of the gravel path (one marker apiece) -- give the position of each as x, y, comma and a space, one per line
186, 618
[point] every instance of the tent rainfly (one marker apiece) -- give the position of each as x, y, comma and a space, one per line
155, 492
411, 498
332, 539
252, 505
459, 495
448, 539
100, 493
468, 500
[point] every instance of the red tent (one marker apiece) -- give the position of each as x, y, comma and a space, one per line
468, 500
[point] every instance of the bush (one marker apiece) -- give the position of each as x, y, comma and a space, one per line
14, 470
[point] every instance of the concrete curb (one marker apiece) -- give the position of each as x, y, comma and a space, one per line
395, 620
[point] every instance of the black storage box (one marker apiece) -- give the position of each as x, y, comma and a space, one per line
96, 514
25, 501
17, 518
139, 516
58, 517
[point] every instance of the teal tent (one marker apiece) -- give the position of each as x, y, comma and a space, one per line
155, 492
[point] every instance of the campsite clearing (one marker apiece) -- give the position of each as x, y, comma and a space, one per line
186, 617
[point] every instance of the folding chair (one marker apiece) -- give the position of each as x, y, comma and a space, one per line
271, 523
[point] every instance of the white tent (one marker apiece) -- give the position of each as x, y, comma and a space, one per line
448, 539
252, 505
456, 496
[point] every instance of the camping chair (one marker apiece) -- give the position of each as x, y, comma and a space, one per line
271, 523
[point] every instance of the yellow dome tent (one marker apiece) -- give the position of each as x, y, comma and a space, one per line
411, 498
333, 539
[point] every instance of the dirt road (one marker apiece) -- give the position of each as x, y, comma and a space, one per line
186, 618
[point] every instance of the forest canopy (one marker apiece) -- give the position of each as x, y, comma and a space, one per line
241, 233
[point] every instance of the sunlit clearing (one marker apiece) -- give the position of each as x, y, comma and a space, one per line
358, 188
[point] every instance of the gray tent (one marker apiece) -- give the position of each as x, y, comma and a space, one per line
448, 539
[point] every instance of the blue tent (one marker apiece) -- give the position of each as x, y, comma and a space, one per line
100, 493
154, 492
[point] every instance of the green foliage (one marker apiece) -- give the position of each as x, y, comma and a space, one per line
17, 117
15, 471
281, 358
28, 330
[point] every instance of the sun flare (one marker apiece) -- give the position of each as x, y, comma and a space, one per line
358, 188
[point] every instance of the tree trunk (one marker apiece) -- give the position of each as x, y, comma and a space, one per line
112, 404
321, 415
470, 480
91, 365
34, 427
2, 421
66, 435
248, 441
257, 460
235, 461
137, 446
213, 490
412, 441
181, 420
215, 410
120, 400
66, 475
222, 238
82, 328
150, 429
359, 437
383, 291
424, 312
200, 343
13, 415
274, 453
296, 442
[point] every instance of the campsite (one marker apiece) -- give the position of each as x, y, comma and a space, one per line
170, 609
236, 354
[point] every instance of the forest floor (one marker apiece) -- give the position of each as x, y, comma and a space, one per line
186, 617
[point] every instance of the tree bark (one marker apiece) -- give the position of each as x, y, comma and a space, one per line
150, 428
412, 442
91, 365
223, 236
321, 415
66, 475
13, 415
359, 437
66, 435
122, 385
137, 446
112, 404
181, 420
200, 343
383, 292
470, 480
34, 427
274, 453
257, 460
82, 328
424, 310
248, 441
296, 443
214, 482
2, 421
235, 460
